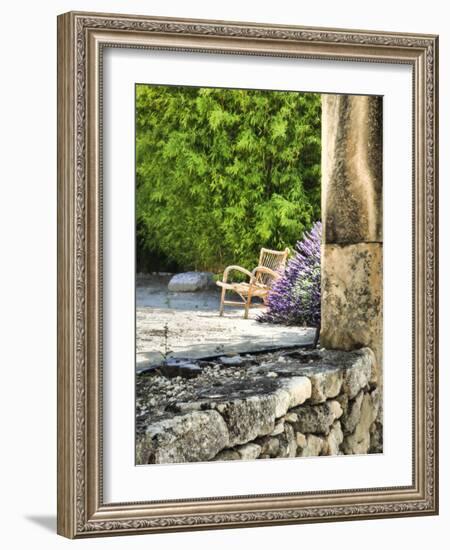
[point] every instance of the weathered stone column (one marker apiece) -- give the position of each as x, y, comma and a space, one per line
352, 260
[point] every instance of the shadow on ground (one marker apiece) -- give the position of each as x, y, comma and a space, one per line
46, 522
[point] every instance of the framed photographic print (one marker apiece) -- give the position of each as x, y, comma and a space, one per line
247, 284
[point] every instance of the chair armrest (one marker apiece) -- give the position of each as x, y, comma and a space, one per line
235, 268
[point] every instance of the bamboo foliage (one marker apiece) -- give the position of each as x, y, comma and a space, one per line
224, 172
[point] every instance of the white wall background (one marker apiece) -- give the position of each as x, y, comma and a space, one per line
28, 270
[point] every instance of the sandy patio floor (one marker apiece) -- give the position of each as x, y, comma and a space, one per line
195, 329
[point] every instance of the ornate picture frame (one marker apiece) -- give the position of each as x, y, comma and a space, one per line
82, 511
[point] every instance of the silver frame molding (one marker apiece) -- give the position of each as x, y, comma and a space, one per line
81, 510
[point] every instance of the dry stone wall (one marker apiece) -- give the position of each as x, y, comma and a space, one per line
326, 403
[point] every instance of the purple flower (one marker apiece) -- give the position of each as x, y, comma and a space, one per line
295, 297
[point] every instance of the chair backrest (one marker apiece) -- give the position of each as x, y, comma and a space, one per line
274, 260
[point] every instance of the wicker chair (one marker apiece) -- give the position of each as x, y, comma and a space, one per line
270, 267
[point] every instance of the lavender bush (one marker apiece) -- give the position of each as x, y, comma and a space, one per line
295, 297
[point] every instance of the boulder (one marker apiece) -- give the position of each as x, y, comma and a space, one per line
192, 437
190, 281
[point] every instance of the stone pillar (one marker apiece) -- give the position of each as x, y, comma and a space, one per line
352, 253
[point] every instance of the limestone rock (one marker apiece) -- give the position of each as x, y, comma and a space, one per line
326, 384
358, 375
288, 443
250, 408
173, 368
270, 446
352, 225
279, 428
293, 392
291, 417
352, 297
192, 437
239, 413
190, 281
228, 454
333, 441
313, 446
317, 419
359, 441
335, 408
301, 440
352, 413
232, 361
376, 429
352, 168
246, 419
376, 438
325, 369
343, 401
249, 451
377, 397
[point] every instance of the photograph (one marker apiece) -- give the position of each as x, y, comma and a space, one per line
259, 274
247, 274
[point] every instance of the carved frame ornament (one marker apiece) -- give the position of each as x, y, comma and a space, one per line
81, 510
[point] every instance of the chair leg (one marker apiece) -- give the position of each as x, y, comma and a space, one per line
222, 299
247, 303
